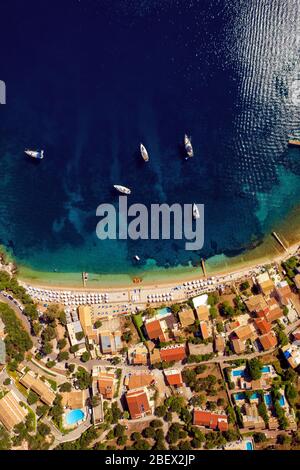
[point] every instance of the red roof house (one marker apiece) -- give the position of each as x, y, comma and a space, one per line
173, 377
138, 403
262, 325
211, 420
173, 353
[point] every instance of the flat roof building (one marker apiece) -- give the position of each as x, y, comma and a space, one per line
202, 312
111, 343
186, 317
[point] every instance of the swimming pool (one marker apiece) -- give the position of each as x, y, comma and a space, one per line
255, 396
268, 399
238, 373
266, 369
282, 400
162, 311
74, 416
239, 396
249, 445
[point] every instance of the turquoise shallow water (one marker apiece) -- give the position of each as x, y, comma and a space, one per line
117, 73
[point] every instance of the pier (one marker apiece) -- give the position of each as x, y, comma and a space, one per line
279, 241
203, 267
84, 279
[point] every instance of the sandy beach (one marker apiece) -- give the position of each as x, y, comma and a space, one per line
268, 251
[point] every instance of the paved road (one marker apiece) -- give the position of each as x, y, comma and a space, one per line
17, 311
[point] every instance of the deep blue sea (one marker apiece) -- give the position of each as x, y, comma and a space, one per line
89, 80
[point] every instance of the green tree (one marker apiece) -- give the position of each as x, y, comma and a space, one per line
47, 348
79, 335
83, 378
41, 410
32, 398
43, 429
85, 356
31, 312
5, 442
254, 367
213, 313
259, 437
63, 356
49, 333
65, 387
62, 343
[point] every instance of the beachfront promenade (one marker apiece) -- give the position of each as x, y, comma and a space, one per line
120, 300
128, 300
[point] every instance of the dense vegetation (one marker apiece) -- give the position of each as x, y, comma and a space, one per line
17, 340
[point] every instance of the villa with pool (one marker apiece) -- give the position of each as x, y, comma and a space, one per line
76, 411
242, 381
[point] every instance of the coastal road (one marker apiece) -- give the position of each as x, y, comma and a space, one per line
17, 311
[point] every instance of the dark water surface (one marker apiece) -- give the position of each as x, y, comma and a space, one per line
89, 80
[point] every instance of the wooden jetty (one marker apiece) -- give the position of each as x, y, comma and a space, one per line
279, 241
203, 267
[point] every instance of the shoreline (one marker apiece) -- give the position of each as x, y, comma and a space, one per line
269, 251
241, 268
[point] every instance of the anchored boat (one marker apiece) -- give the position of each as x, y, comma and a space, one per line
196, 213
38, 154
188, 147
144, 153
122, 189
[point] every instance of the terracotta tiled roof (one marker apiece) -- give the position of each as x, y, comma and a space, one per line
173, 377
138, 403
140, 380
238, 346
204, 330
105, 384
274, 314
211, 420
244, 332
262, 325
154, 329
219, 343
173, 353
268, 341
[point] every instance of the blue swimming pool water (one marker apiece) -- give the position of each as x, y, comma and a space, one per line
282, 400
163, 311
74, 416
268, 399
265, 369
287, 354
238, 373
239, 396
249, 445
